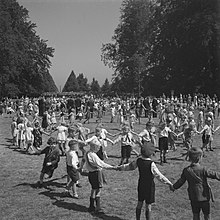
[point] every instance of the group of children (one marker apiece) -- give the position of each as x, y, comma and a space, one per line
93, 159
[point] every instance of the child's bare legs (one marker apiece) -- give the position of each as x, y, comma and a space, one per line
163, 156
207, 217
148, 212
62, 146
210, 146
41, 178
72, 185
138, 210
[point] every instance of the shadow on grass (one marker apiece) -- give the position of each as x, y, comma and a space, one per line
45, 185
77, 207
9, 140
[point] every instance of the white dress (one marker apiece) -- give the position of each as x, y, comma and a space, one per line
61, 135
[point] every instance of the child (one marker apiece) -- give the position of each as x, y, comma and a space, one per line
37, 132
207, 134
163, 141
102, 140
147, 135
71, 116
82, 133
72, 162
51, 159
21, 136
126, 139
14, 132
147, 171
188, 137
29, 137
61, 136
95, 165
198, 187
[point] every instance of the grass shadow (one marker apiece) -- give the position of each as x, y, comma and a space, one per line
80, 208
19, 150
45, 185
9, 140
106, 217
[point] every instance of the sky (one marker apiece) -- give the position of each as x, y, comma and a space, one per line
76, 29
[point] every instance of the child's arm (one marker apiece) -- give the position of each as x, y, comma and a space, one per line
129, 166
109, 140
159, 175
216, 129
212, 174
180, 181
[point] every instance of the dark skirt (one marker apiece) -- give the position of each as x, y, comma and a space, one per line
146, 194
73, 173
163, 143
205, 139
126, 151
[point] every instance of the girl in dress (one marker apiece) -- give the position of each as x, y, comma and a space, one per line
61, 136
37, 132
14, 132
21, 135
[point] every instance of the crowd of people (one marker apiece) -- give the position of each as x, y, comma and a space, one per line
169, 120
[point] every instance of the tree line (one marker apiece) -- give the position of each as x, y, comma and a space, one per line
164, 45
80, 84
158, 46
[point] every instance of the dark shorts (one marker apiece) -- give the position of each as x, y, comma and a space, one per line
126, 151
198, 206
205, 139
96, 179
163, 143
73, 174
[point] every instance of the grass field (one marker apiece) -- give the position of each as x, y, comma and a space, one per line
20, 199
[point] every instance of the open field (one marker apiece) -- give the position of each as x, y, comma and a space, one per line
20, 199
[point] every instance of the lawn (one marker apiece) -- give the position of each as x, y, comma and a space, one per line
21, 199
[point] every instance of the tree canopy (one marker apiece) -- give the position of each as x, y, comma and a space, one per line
165, 45
24, 56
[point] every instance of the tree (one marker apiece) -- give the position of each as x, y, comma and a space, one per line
95, 88
106, 88
166, 45
83, 83
71, 83
24, 56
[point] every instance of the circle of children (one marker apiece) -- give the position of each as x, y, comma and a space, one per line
180, 118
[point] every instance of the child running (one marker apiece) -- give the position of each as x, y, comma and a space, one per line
51, 159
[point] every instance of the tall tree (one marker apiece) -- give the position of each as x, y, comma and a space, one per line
71, 83
83, 83
95, 87
106, 87
166, 45
24, 56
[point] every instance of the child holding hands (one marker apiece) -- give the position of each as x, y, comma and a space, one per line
73, 167
198, 188
147, 171
95, 165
